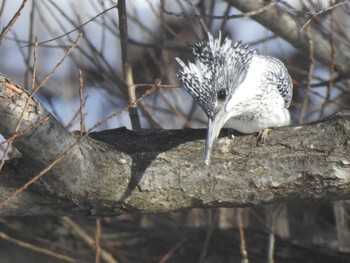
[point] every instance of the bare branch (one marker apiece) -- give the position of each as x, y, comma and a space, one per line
324, 11
127, 68
10, 24
37, 249
121, 171
225, 17
287, 26
78, 27
81, 233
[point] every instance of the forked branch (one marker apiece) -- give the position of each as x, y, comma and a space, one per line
146, 171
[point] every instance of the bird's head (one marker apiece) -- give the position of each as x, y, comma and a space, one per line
218, 71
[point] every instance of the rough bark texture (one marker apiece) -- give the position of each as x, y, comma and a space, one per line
147, 171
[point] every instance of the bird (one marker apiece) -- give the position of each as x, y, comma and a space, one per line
236, 87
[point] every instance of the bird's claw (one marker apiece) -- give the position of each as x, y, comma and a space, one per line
262, 136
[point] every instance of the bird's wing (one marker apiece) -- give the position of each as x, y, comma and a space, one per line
281, 79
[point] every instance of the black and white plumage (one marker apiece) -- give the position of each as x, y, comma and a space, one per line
236, 88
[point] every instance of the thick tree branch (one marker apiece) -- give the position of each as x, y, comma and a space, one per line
121, 171
289, 27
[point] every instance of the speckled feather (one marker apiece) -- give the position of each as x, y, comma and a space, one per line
236, 87
215, 67
225, 66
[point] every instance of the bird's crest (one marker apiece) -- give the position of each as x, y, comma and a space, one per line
218, 70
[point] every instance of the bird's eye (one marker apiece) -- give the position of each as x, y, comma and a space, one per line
222, 94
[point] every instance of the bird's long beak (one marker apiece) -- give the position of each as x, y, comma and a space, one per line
214, 127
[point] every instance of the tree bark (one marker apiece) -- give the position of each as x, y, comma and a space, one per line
147, 171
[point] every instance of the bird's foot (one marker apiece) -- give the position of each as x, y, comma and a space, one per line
262, 136
231, 133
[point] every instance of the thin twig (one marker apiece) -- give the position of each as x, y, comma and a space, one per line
34, 64
214, 215
2, 8
171, 252
127, 69
271, 248
20, 133
27, 58
37, 249
309, 77
226, 17
70, 123
143, 85
118, 112
39, 175
10, 141
201, 18
342, 225
97, 240
174, 108
331, 69
328, 9
36, 89
273, 216
63, 155
81, 104
8, 27
77, 28
78, 231
243, 247
28, 100
67, 53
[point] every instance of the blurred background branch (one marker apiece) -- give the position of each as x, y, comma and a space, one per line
310, 36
